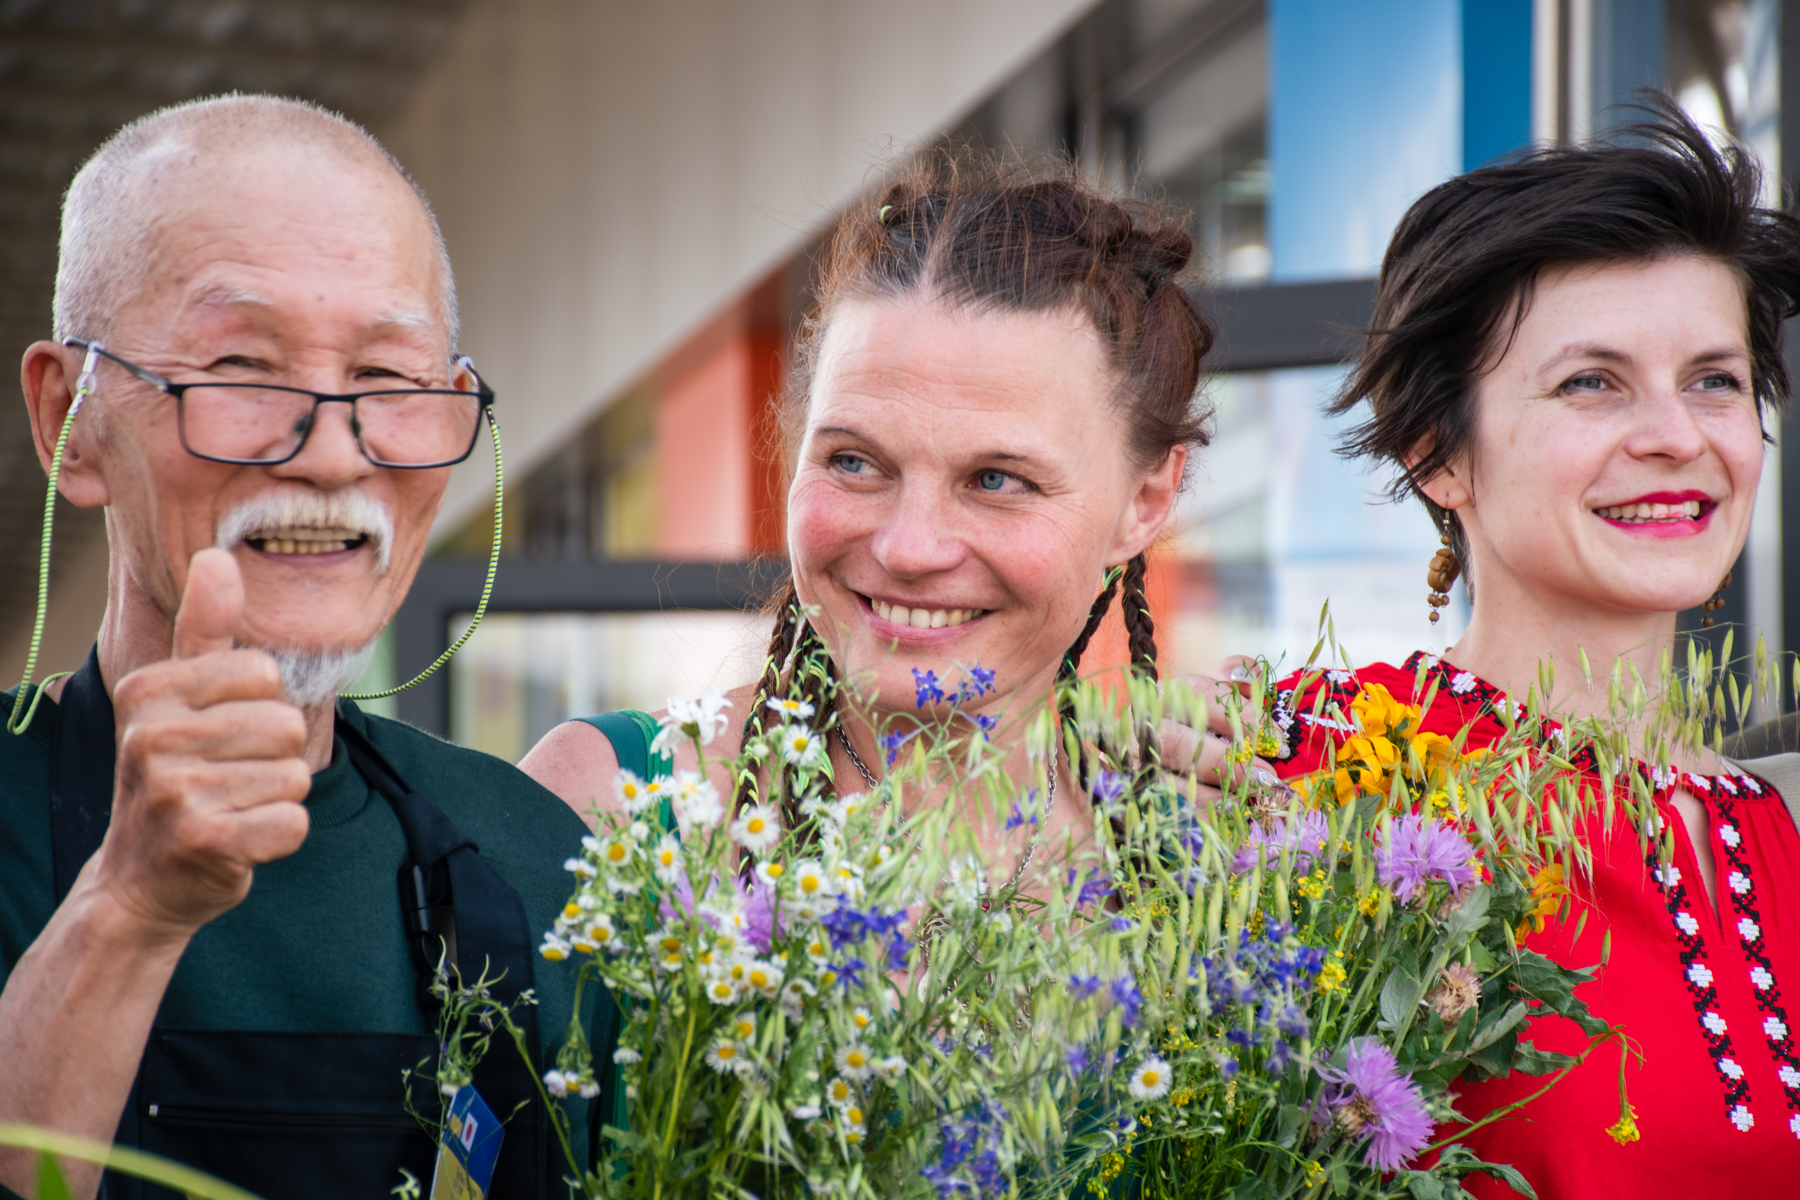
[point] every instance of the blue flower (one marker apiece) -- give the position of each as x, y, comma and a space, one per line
1092, 890
984, 679
1078, 1060
1019, 816
969, 1146
926, 682
1227, 1066
984, 722
1125, 994
1121, 925
850, 972
1110, 787
1083, 986
891, 743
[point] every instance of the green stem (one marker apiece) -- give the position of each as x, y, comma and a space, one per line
687, 1048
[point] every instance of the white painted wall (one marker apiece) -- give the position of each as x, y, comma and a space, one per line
610, 172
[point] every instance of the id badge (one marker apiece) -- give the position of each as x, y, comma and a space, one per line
467, 1150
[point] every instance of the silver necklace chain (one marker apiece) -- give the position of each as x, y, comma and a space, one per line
868, 777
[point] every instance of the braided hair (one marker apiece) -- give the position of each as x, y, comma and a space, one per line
968, 229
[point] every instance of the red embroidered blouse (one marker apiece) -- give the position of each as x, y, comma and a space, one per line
1698, 991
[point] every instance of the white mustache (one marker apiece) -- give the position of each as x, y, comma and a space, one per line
310, 509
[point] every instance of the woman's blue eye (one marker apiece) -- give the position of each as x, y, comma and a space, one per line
992, 481
851, 463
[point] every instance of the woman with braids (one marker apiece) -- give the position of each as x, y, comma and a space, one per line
1572, 357
987, 424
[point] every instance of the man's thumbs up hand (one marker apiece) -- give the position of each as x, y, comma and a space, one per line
211, 780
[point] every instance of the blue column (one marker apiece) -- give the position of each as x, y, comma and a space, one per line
1496, 68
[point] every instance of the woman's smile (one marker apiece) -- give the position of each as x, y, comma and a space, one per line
910, 619
1661, 514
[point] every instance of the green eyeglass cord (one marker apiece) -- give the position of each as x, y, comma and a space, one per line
20, 719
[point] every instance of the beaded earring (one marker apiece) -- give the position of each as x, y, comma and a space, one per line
1440, 575
1715, 602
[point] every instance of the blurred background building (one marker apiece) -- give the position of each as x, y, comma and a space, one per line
634, 195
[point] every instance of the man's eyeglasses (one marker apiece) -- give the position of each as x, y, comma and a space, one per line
251, 424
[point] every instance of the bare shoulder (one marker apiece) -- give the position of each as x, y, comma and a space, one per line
576, 761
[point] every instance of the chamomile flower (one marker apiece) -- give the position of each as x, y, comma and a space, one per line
891, 1068
625, 1056
695, 801
555, 949
743, 1027
725, 1056
854, 1133
581, 867
794, 995
806, 1112
763, 978
770, 873
860, 1018
601, 931
756, 829
615, 852
846, 881
854, 1061
792, 709
801, 746
1150, 1079
665, 858
559, 1083
812, 886
840, 1093
634, 795
703, 719
846, 806
721, 989
818, 950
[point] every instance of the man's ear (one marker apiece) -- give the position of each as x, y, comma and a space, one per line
1150, 507
47, 375
1449, 487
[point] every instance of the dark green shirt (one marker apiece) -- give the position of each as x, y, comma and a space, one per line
318, 944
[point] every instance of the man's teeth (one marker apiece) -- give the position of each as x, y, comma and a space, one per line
924, 618
1686, 511
304, 541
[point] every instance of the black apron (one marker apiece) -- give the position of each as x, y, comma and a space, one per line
316, 1114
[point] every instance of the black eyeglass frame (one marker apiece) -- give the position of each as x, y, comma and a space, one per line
483, 393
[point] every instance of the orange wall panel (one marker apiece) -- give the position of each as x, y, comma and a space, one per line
703, 455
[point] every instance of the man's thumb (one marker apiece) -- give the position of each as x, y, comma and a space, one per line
211, 606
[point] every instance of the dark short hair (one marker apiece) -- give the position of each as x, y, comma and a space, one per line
1460, 269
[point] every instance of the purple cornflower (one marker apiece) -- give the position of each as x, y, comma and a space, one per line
1110, 787
1121, 925
757, 902
1417, 850
850, 972
1092, 890
1125, 994
969, 1162
926, 685
1083, 986
891, 743
1266, 843
1078, 1060
1373, 1098
1020, 816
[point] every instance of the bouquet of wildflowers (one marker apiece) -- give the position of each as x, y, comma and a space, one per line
1316, 966
1267, 996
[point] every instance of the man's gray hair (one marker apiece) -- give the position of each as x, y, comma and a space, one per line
109, 215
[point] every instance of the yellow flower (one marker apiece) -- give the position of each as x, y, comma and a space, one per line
1313, 886
1332, 975
1380, 715
1435, 751
1365, 765
1371, 903
1548, 889
1626, 1131
1315, 1175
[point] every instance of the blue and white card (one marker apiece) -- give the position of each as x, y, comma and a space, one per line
467, 1149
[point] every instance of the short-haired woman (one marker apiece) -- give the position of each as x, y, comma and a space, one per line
1572, 358
990, 412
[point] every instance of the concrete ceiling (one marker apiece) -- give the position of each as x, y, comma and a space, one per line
72, 72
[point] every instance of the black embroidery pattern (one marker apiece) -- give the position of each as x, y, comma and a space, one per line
1718, 791
1740, 888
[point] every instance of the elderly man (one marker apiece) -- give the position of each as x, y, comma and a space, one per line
203, 947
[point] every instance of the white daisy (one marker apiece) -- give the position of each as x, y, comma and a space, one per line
559, 1083
1150, 1080
665, 858
770, 873
616, 852
839, 1093
720, 989
757, 828
743, 1027
794, 995
855, 1061
554, 948
801, 746
812, 886
806, 1112
695, 801
725, 1056
861, 1019
792, 709
891, 1068
634, 796
625, 1056
763, 978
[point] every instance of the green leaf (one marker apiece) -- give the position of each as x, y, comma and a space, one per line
126, 1161
1424, 1185
1529, 1060
51, 1185
625, 1139
1291, 1120
1469, 916
1399, 998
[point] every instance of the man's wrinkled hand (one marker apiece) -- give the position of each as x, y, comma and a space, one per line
211, 779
